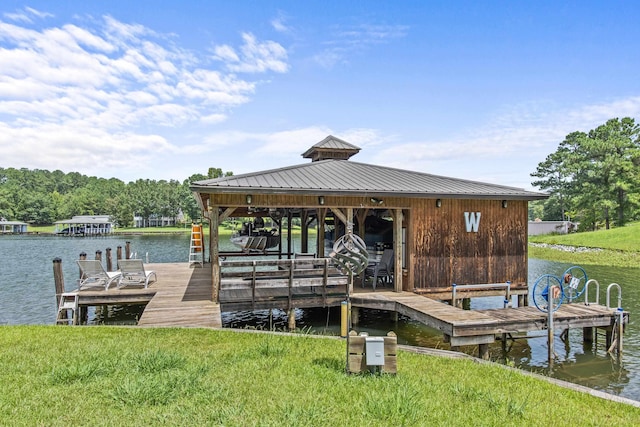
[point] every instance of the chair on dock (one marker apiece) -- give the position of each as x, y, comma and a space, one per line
134, 273
92, 274
381, 270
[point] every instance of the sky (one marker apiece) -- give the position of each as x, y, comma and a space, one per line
479, 90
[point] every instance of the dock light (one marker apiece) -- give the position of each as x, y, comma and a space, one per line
321, 200
438, 203
248, 199
377, 201
504, 203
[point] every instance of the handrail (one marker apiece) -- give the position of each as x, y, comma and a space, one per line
586, 291
619, 294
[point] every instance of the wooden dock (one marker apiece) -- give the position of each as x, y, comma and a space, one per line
479, 327
182, 296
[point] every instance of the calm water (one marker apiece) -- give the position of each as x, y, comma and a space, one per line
28, 297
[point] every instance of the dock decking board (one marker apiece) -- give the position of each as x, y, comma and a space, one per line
182, 296
458, 323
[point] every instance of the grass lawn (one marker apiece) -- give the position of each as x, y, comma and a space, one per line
136, 376
620, 247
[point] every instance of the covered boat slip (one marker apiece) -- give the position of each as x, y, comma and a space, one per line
441, 230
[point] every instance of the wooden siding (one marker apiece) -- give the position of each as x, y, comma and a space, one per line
442, 252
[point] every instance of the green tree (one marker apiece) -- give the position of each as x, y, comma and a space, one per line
593, 175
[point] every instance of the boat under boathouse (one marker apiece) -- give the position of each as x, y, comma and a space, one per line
85, 225
440, 230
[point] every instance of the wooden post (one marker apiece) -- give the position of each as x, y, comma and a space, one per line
355, 316
522, 301
127, 250
58, 278
483, 351
82, 256
289, 217
109, 262
98, 255
304, 237
320, 232
398, 286
214, 215
292, 319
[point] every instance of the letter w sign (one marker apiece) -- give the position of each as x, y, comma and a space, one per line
472, 221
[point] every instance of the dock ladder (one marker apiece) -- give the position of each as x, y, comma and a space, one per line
196, 247
68, 302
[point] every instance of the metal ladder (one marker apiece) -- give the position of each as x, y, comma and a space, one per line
68, 301
196, 247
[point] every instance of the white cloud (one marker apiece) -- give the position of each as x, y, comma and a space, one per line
26, 15
346, 41
508, 148
254, 56
112, 94
279, 23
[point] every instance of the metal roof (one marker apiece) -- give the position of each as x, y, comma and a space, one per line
343, 177
331, 144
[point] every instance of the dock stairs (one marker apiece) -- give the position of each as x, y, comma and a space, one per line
68, 302
196, 247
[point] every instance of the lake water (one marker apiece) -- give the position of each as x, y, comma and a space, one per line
28, 297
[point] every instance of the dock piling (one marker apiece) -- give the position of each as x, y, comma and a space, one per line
109, 262
58, 278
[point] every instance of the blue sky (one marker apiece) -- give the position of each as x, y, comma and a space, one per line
162, 90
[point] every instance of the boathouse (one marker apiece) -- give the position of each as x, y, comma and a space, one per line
442, 230
12, 227
84, 225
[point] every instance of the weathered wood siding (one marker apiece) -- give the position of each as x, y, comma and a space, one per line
443, 252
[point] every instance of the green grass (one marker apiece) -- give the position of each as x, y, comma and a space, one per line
128, 376
621, 239
620, 247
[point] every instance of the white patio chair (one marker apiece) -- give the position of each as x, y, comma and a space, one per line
93, 274
134, 273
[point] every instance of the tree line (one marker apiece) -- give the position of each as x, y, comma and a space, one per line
41, 197
592, 177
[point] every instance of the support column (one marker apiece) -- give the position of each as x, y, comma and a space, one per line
522, 301
355, 316
483, 351
397, 250
304, 236
58, 280
291, 319
214, 215
322, 213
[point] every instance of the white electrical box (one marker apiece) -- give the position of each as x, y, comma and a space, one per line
374, 351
